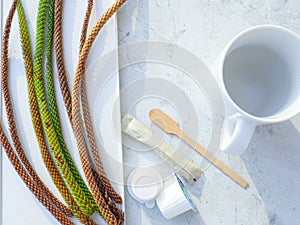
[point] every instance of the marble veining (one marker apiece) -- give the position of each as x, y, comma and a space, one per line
271, 162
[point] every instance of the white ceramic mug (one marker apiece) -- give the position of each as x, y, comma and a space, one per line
259, 76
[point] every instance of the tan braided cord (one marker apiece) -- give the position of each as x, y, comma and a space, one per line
31, 182
85, 24
62, 73
105, 185
76, 116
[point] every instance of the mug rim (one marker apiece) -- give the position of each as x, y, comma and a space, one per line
266, 119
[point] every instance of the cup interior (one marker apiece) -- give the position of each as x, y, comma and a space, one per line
261, 72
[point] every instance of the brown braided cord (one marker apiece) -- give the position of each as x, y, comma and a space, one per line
58, 43
103, 183
42, 197
30, 182
76, 117
57, 179
112, 206
62, 73
18, 146
96, 159
64, 86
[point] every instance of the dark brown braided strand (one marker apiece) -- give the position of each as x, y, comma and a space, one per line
112, 206
30, 183
58, 43
76, 117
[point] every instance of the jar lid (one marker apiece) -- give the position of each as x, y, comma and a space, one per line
144, 184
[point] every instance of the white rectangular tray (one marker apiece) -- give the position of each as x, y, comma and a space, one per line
18, 205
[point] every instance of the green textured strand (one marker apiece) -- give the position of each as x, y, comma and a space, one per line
76, 191
28, 62
53, 106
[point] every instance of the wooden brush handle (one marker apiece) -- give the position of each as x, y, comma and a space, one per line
212, 158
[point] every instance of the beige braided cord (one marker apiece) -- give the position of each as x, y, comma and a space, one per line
76, 117
96, 159
30, 182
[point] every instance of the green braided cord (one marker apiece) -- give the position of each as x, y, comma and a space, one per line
53, 106
28, 62
35, 116
78, 194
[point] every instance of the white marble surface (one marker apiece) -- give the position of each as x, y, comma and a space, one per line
271, 162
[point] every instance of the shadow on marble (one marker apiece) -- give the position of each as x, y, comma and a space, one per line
272, 161
133, 29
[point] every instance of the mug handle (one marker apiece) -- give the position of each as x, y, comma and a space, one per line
237, 136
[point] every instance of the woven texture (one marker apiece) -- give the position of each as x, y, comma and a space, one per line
58, 43
26, 47
35, 116
18, 146
95, 156
103, 183
27, 57
109, 216
104, 194
53, 106
44, 197
62, 162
